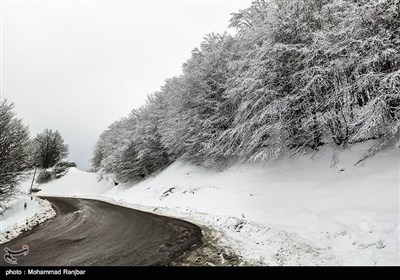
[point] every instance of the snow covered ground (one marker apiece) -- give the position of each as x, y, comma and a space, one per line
308, 211
15, 219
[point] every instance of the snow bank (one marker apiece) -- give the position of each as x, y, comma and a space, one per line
15, 219
306, 211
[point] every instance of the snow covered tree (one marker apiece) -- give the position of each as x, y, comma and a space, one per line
248, 90
112, 143
170, 128
304, 72
203, 113
151, 155
128, 169
297, 75
49, 148
98, 154
13, 149
272, 113
370, 42
131, 148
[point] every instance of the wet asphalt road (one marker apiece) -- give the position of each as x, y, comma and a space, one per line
91, 232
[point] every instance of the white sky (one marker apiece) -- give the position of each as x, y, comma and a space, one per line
76, 66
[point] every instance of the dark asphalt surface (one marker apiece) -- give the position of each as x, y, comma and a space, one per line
91, 232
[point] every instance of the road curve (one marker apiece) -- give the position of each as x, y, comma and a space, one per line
92, 232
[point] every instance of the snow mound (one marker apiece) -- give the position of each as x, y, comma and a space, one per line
16, 220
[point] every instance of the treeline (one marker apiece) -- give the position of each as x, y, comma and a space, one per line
14, 139
297, 75
19, 152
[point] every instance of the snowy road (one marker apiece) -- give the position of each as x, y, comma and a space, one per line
91, 232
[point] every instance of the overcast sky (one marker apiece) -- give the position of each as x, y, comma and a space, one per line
77, 66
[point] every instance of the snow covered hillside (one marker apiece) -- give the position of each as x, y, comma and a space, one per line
308, 211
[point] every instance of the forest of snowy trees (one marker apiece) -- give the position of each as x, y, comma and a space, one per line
14, 139
19, 153
297, 75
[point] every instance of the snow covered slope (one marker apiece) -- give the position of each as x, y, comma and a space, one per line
16, 219
306, 211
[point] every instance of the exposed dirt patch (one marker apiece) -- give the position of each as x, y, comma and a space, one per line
210, 253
